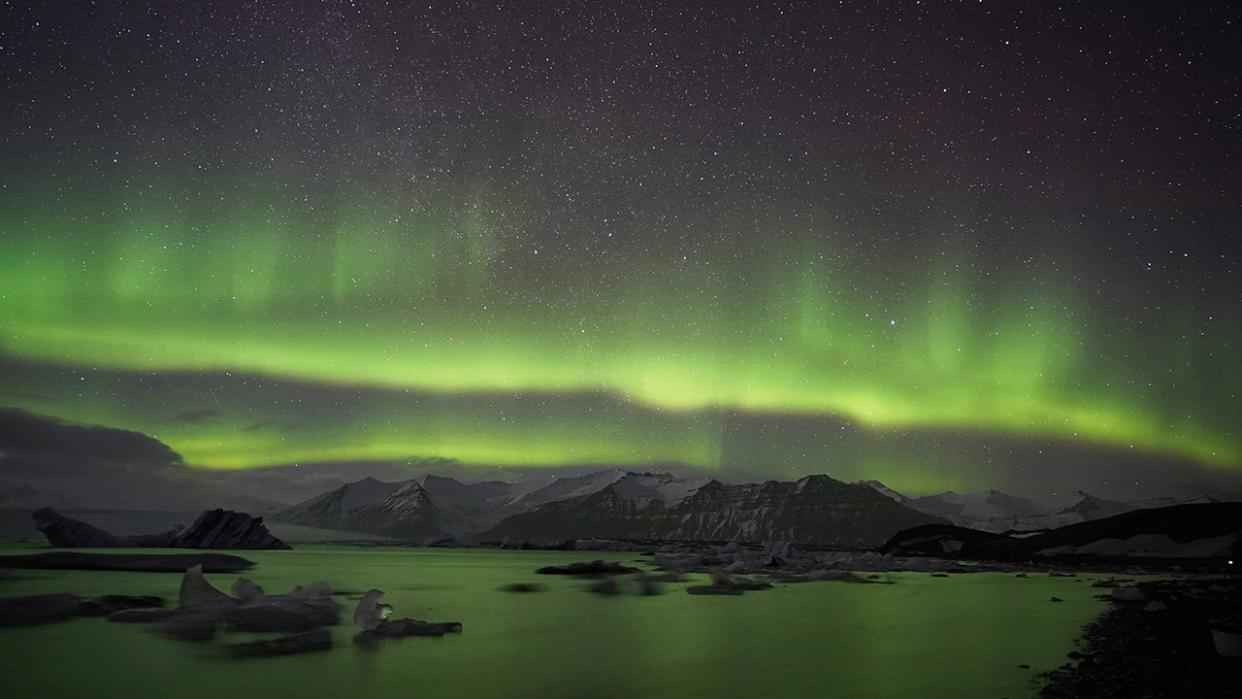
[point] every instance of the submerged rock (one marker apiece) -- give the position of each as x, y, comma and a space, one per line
713, 590
588, 569
399, 628
308, 642
522, 587
37, 609
724, 584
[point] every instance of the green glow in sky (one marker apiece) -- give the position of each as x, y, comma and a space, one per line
438, 302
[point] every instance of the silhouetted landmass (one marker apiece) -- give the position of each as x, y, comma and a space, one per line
214, 529
1210, 530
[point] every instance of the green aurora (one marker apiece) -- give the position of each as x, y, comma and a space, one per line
454, 304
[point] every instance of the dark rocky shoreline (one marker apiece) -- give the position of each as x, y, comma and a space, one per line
1158, 646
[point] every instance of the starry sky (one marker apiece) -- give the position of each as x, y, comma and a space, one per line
945, 245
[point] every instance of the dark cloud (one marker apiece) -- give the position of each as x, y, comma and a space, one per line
29, 435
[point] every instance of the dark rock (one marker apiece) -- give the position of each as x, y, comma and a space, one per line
214, 529
588, 569
37, 609
829, 575
522, 587
713, 590
308, 642
225, 529
723, 584
133, 562
69, 532
1055, 599
400, 628
109, 604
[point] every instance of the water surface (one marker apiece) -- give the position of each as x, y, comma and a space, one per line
962, 636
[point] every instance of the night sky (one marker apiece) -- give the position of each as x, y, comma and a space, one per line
958, 245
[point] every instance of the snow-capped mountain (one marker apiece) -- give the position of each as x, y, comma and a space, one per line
333, 509
989, 510
612, 504
812, 510
886, 491
621, 504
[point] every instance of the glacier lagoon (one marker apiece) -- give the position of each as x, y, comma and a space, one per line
966, 635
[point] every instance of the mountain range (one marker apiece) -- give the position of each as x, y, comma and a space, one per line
613, 504
623, 504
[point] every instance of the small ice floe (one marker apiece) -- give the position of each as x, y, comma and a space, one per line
372, 616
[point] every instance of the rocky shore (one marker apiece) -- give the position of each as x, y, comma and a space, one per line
1157, 641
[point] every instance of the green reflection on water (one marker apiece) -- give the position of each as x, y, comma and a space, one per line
962, 636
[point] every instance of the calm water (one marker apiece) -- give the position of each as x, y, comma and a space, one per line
962, 636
